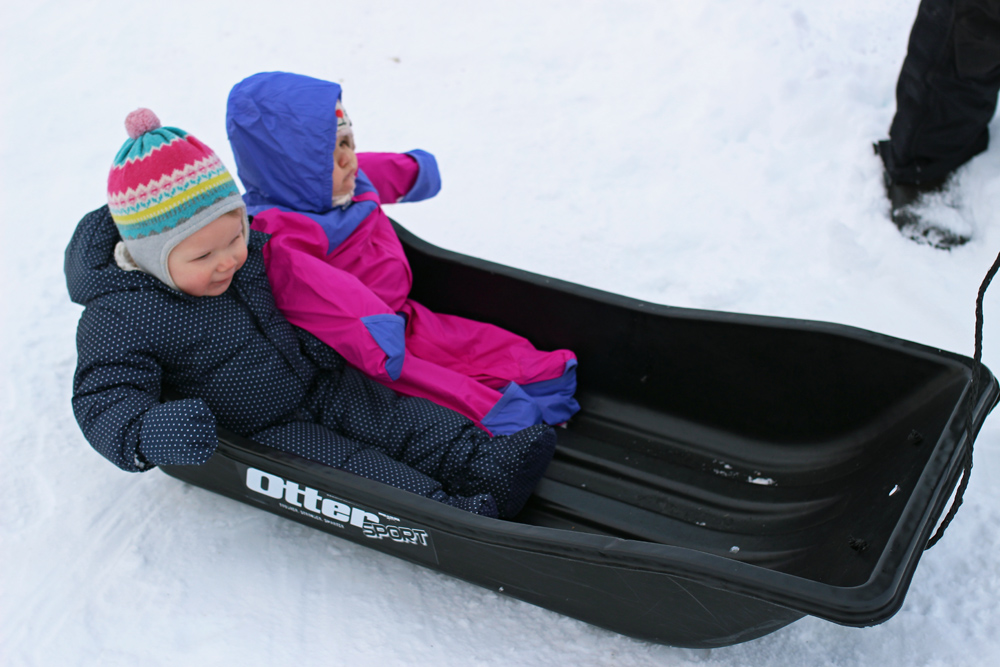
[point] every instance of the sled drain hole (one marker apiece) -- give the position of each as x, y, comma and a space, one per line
857, 544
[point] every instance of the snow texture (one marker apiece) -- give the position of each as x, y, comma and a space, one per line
710, 154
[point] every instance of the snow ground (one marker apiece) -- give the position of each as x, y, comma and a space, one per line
707, 154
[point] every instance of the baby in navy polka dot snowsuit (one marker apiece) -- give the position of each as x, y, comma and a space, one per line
241, 365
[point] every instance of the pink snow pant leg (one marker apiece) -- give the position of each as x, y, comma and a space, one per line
484, 352
496, 378
464, 395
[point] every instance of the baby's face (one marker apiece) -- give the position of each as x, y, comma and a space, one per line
345, 165
204, 263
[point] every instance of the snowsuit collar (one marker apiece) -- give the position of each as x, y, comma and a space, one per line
92, 272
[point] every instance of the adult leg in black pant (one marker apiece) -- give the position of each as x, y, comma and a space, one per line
945, 98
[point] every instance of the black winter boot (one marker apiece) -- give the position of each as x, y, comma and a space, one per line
927, 212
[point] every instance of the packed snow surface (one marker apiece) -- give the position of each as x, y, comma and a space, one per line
712, 154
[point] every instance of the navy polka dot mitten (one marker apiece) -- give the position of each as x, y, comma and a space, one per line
178, 433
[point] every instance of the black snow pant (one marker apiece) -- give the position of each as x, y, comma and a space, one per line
358, 425
947, 90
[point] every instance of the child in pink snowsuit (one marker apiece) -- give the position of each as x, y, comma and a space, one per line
338, 270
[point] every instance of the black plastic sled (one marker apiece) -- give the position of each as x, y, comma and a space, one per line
727, 474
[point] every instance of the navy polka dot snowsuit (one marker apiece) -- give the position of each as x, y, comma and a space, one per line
240, 364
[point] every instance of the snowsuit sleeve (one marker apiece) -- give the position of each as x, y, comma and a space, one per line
402, 177
116, 393
330, 303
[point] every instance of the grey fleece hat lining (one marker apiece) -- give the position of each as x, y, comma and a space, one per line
152, 252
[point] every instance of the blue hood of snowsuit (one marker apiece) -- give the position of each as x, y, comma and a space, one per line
283, 131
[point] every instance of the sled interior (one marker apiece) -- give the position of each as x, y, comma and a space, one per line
726, 475
789, 445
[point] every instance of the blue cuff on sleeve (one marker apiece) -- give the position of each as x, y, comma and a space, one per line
389, 331
555, 397
514, 411
428, 181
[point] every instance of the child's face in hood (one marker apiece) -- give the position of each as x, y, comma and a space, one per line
345, 165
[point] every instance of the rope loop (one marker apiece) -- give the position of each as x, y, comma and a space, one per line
977, 363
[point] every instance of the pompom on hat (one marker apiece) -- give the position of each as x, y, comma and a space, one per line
141, 121
164, 186
344, 128
344, 124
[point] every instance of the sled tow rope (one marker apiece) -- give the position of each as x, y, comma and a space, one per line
976, 365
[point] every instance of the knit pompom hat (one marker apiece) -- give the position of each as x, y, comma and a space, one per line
164, 186
344, 125
344, 128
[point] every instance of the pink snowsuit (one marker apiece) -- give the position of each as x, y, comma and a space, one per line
341, 274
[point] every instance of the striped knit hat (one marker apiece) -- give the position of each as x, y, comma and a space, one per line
164, 186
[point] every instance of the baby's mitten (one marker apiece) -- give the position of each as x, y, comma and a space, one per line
178, 433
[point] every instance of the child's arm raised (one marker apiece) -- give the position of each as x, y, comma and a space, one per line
402, 177
116, 394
